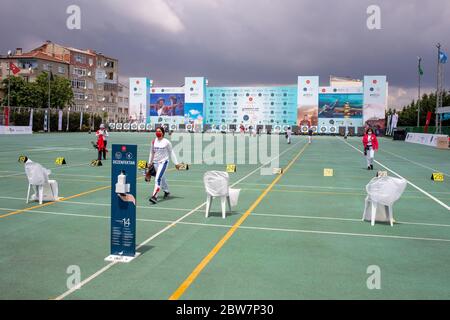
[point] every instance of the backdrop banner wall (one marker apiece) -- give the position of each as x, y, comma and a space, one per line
350, 104
251, 105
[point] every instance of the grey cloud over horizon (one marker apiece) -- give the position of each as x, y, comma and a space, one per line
244, 42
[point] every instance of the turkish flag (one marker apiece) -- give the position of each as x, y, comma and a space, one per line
14, 68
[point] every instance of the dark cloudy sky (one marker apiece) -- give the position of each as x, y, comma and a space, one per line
244, 42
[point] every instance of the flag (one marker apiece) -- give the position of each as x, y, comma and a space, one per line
60, 116
420, 67
442, 57
31, 118
427, 122
6, 116
46, 120
51, 76
15, 69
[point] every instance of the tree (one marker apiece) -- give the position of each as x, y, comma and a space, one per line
17, 86
35, 94
61, 94
408, 115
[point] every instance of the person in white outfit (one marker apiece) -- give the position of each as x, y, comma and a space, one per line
288, 135
310, 133
160, 151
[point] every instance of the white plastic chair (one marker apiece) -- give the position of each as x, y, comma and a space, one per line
46, 192
382, 192
38, 179
216, 185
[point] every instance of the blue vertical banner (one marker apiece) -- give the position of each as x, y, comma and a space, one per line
194, 100
123, 203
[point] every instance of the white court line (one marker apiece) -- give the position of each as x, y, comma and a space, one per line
409, 182
416, 163
345, 219
344, 234
253, 213
52, 168
49, 149
172, 223
70, 291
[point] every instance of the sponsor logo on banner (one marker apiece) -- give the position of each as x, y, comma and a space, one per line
375, 101
424, 138
194, 89
15, 130
307, 100
251, 105
139, 98
194, 98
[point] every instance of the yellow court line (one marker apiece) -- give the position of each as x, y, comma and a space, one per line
195, 273
61, 200
53, 202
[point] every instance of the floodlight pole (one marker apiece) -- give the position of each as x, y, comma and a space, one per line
418, 96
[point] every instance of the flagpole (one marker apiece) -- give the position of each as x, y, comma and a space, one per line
49, 113
49, 72
418, 96
438, 88
9, 77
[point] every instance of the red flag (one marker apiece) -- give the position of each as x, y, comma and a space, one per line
427, 122
14, 68
6, 116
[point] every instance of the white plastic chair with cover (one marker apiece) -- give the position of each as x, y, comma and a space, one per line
37, 175
382, 192
216, 185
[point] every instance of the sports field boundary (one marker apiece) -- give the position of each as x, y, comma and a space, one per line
108, 266
197, 270
398, 175
262, 228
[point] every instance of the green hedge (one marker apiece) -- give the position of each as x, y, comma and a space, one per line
22, 118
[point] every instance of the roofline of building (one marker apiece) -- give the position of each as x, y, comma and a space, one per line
30, 56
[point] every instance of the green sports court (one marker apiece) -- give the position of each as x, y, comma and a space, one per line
298, 235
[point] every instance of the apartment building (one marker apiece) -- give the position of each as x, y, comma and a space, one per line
124, 103
31, 65
94, 76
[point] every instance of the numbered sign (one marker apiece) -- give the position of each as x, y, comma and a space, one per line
183, 166
142, 164
277, 170
22, 159
60, 161
382, 174
438, 177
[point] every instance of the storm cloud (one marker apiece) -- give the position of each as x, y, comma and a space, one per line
244, 42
